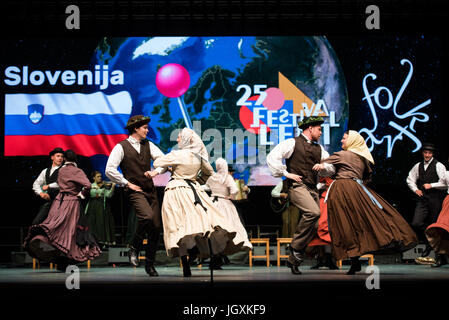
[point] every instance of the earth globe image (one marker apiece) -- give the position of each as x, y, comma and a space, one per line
226, 76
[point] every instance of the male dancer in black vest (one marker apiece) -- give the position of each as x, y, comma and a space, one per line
46, 186
134, 156
301, 155
425, 179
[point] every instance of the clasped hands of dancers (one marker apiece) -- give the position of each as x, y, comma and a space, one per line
193, 222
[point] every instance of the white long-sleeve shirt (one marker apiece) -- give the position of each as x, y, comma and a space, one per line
117, 155
276, 192
413, 176
284, 150
40, 181
446, 180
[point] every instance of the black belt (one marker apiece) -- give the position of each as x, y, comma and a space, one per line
62, 197
215, 199
195, 194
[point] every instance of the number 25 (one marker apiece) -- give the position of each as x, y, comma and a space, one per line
243, 101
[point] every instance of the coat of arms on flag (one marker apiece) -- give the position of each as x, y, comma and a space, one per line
35, 113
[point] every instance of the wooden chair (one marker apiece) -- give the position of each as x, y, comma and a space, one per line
265, 241
279, 241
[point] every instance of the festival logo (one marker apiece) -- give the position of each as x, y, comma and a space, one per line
278, 110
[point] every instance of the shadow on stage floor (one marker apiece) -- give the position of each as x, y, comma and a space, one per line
107, 290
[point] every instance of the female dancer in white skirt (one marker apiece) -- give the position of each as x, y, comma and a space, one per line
223, 189
189, 217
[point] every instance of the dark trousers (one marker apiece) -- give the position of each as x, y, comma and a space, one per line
428, 207
43, 213
146, 206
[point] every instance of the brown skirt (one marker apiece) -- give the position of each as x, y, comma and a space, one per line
358, 226
438, 232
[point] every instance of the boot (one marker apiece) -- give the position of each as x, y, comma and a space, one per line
293, 268
133, 256
225, 259
61, 264
185, 267
193, 256
319, 263
440, 261
295, 258
149, 268
329, 262
215, 262
355, 266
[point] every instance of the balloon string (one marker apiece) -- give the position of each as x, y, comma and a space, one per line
185, 115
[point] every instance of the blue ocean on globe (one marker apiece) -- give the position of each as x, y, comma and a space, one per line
217, 66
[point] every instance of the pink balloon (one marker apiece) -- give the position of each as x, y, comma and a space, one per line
274, 99
172, 80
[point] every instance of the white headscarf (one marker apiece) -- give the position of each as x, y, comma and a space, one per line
357, 144
222, 170
191, 141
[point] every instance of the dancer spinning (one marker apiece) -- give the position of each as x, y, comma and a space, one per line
189, 218
360, 221
301, 154
134, 156
59, 238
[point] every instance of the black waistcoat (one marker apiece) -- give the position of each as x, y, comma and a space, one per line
51, 179
303, 158
134, 164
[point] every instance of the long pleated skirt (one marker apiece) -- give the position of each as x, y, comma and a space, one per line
188, 223
359, 226
438, 232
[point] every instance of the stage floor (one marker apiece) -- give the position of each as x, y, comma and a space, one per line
276, 288
238, 275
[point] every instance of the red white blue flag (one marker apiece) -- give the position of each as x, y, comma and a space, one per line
89, 124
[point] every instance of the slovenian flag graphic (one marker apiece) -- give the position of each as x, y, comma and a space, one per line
89, 124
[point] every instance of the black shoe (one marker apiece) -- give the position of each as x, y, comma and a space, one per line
296, 257
293, 268
355, 266
226, 260
62, 266
426, 251
185, 267
440, 261
133, 256
149, 268
215, 263
329, 262
319, 264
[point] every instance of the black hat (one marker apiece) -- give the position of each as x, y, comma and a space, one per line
429, 147
137, 121
56, 150
70, 155
310, 121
